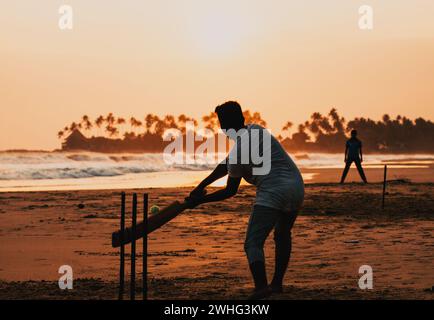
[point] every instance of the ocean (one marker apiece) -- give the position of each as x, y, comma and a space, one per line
41, 171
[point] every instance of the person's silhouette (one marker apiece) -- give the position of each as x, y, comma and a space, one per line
353, 153
279, 195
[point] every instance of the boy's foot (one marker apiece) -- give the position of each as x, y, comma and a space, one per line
276, 288
261, 293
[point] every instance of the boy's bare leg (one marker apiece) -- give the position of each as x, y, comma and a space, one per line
262, 221
361, 172
347, 168
283, 246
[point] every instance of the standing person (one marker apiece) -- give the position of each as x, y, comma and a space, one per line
353, 153
279, 194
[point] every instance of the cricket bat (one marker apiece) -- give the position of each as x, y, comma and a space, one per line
154, 222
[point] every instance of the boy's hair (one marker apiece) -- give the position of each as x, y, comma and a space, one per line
230, 114
354, 132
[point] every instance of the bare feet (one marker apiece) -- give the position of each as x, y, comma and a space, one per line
276, 288
261, 293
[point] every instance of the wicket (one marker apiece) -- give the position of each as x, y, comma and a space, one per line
133, 249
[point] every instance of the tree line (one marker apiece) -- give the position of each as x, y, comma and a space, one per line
320, 133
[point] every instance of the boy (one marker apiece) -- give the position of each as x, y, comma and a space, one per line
353, 153
279, 193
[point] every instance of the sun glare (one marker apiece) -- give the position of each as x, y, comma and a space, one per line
218, 34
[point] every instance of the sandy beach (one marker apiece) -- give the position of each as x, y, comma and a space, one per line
200, 253
104, 98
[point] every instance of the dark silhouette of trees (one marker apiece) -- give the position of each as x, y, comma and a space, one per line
328, 131
74, 126
287, 127
211, 121
321, 133
299, 140
99, 122
182, 121
254, 118
135, 123
328, 134
86, 123
149, 122
121, 122
396, 135
112, 131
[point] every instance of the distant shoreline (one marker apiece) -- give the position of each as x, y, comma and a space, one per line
156, 152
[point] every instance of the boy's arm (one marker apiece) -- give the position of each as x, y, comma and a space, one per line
361, 154
219, 172
222, 194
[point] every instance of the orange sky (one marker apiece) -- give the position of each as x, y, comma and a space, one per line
283, 58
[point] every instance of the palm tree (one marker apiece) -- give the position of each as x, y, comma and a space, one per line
149, 122
120, 121
319, 125
182, 122
135, 123
210, 121
110, 119
299, 138
98, 122
182, 118
288, 125
160, 126
170, 122
314, 124
132, 122
112, 131
74, 126
254, 118
337, 121
386, 118
85, 122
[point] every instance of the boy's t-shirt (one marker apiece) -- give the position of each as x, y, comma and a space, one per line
354, 145
281, 187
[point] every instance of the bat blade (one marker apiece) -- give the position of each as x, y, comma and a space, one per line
154, 222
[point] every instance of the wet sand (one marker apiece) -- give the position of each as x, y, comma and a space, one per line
200, 253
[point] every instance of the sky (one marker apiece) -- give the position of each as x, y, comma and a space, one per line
285, 59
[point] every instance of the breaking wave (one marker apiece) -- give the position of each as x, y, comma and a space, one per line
56, 165
75, 165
